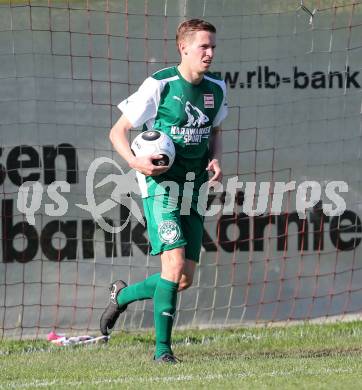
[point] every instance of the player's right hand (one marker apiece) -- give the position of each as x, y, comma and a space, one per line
145, 166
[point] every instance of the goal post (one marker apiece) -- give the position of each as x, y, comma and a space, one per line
292, 155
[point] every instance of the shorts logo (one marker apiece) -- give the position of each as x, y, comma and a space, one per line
169, 232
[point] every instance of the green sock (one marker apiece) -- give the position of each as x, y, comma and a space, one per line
138, 291
164, 302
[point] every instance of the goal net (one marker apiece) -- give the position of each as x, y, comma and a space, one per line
293, 74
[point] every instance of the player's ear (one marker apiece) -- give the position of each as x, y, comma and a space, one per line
182, 47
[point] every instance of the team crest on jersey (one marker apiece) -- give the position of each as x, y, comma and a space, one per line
195, 117
208, 100
169, 232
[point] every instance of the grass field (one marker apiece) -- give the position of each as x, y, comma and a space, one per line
294, 357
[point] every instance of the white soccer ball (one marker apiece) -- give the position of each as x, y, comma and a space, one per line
154, 142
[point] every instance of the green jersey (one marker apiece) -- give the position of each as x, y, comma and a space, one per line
186, 112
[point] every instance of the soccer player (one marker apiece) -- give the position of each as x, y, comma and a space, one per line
188, 103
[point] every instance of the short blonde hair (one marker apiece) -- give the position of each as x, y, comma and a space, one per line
189, 27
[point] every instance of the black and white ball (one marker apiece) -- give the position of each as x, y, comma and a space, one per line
154, 142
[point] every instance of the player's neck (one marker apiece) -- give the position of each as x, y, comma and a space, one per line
189, 75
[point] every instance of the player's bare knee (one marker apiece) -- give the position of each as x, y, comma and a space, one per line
173, 263
172, 270
176, 266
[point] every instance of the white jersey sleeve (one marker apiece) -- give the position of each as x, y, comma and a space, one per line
223, 110
142, 106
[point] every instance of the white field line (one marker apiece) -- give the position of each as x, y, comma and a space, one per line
177, 378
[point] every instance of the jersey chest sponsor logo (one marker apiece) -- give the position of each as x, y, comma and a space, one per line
194, 130
195, 117
169, 232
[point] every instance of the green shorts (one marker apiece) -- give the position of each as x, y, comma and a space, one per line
168, 229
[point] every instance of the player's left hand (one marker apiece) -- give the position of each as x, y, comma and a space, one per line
214, 167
